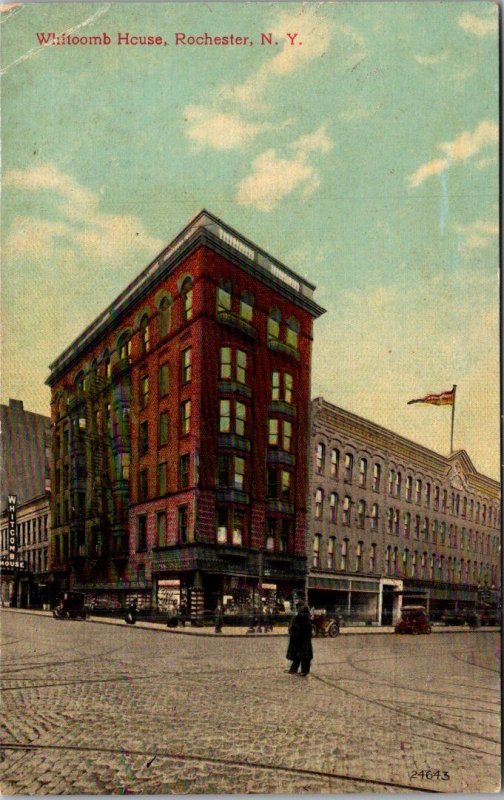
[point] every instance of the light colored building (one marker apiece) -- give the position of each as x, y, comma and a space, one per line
33, 526
393, 521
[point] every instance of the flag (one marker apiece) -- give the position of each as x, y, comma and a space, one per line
443, 399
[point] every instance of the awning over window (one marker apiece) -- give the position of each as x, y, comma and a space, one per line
343, 583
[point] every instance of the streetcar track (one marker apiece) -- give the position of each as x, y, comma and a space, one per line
227, 762
399, 711
472, 664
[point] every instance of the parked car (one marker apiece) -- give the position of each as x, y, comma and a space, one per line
70, 605
414, 619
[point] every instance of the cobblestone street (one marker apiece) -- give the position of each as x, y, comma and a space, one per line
97, 709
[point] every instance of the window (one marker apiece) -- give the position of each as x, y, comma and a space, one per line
224, 416
161, 528
185, 417
436, 498
344, 555
361, 513
142, 533
163, 428
406, 562
144, 437
407, 524
241, 416
287, 435
392, 480
358, 556
417, 526
163, 380
418, 491
316, 551
348, 467
445, 500
162, 478
362, 473
273, 432
347, 504
224, 297
388, 559
333, 507
376, 477
222, 531
164, 317
246, 307
186, 361
184, 471
143, 485
292, 333
106, 366
144, 391
372, 558
395, 552
397, 522
272, 482
241, 366
426, 529
398, 484
274, 324
124, 346
187, 300
409, 487
427, 494
320, 457
483, 514
285, 482
288, 387
330, 552
334, 463
271, 534
238, 528
275, 386
319, 503
374, 517
239, 473
464, 507
144, 333
182, 525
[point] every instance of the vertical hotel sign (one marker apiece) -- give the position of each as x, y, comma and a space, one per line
12, 530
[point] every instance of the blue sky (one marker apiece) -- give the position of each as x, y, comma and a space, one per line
364, 158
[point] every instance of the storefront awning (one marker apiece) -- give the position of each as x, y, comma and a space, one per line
343, 583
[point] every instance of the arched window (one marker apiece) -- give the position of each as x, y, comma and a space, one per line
319, 503
79, 382
331, 547
124, 347
334, 463
320, 457
362, 473
347, 505
106, 366
374, 516
292, 333
358, 556
144, 332
164, 316
224, 297
361, 513
274, 319
333, 506
187, 299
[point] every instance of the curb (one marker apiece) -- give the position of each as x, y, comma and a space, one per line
160, 628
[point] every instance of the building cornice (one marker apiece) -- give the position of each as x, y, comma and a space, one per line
204, 230
387, 441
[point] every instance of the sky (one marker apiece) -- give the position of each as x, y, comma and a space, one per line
363, 156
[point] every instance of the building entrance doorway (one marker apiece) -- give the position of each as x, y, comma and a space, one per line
387, 604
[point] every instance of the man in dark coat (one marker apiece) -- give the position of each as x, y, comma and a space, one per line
300, 650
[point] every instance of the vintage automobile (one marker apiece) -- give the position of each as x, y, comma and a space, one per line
70, 605
413, 620
323, 624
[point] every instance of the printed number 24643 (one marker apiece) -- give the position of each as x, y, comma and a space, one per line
430, 775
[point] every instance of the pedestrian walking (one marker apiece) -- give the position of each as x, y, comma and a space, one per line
300, 650
218, 619
183, 614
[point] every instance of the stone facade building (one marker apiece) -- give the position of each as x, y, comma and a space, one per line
180, 430
25, 439
393, 520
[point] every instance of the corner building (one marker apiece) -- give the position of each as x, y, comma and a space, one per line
393, 521
180, 430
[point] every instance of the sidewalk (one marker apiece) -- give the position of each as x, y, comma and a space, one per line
242, 631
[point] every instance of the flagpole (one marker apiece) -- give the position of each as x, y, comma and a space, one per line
453, 417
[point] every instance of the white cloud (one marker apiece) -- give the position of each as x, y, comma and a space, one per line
273, 176
464, 146
430, 60
478, 26
312, 41
478, 234
219, 130
103, 239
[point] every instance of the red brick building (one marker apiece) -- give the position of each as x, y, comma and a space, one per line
181, 429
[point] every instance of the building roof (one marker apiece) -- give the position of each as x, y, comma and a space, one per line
458, 464
205, 229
